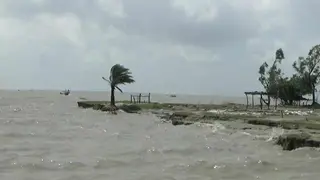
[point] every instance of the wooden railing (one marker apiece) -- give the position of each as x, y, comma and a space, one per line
140, 98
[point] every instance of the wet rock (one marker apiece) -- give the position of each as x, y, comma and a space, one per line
98, 106
107, 108
83, 104
179, 118
181, 115
286, 124
297, 140
177, 122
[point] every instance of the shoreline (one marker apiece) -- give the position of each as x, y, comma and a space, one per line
302, 125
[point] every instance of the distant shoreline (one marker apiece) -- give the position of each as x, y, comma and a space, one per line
107, 90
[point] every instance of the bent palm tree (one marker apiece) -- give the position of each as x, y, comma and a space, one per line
118, 75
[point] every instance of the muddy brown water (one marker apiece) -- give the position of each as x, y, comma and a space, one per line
44, 135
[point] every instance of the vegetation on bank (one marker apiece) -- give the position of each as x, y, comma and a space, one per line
302, 82
171, 106
123, 105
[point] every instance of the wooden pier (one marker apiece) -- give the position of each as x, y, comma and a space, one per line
140, 98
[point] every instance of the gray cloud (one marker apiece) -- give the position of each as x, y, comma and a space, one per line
181, 46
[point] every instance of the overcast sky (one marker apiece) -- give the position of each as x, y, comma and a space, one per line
171, 46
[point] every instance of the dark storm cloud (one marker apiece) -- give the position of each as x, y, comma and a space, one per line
81, 39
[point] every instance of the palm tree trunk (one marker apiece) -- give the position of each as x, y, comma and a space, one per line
112, 102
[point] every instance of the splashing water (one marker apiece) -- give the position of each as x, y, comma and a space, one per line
275, 133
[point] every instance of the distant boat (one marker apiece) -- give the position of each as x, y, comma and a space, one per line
65, 92
173, 95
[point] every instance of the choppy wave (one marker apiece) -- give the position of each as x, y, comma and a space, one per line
50, 138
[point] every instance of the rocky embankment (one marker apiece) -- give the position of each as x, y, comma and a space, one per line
302, 127
299, 131
105, 106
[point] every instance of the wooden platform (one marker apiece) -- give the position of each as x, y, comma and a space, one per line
262, 100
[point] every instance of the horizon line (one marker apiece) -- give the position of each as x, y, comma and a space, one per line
100, 90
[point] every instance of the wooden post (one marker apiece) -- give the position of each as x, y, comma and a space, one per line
139, 98
130, 98
247, 101
261, 100
252, 99
149, 98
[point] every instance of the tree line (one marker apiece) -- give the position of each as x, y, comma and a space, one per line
303, 82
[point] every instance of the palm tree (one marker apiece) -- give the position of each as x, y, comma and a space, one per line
118, 75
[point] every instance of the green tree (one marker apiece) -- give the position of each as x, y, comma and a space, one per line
309, 70
290, 90
270, 78
118, 75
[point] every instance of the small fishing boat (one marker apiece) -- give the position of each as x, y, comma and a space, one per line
173, 95
65, 92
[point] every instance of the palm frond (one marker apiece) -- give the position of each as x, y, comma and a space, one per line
106, 79
119, 89
120, 75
